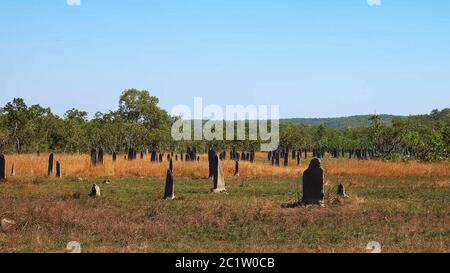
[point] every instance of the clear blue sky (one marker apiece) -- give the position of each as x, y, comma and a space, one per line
315, 58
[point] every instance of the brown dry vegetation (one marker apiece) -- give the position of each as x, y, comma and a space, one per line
404, 206
75, 165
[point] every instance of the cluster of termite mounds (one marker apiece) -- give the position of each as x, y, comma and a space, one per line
312, 182
50, 170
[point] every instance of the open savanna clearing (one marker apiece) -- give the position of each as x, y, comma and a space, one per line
30, 166
405, 211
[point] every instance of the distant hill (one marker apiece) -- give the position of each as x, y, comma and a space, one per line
359, 121
341, 122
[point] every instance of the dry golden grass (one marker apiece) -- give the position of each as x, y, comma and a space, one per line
76, 165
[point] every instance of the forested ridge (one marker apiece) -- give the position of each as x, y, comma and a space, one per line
341, 122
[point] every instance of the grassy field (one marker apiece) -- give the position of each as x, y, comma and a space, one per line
78, 165
403, 213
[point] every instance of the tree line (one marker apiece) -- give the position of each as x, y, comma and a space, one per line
139, 123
